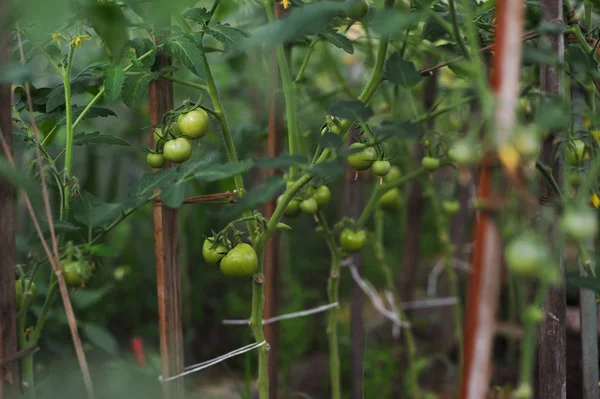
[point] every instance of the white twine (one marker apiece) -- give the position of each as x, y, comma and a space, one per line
396, 330
201, 366
430, 303
437, 270
285, 316
370, 291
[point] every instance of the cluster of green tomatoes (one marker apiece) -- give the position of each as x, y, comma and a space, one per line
172, 143
75, 272
238, 261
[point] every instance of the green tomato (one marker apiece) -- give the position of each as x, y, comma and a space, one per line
212, 255
76, 272
464, 153
391, 201
353, 241
430, 163
194, 123
533, 315
155, 160
357, 9
292, 209
580, 223
393, 176
20, 285
450, 207
309, 206
361, 160
322, 195
576, 153
178, 150
526, 255
527, 144
240, 262
381, 168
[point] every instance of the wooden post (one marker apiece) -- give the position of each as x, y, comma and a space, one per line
166, 250
9, 373
552, 376
272, 256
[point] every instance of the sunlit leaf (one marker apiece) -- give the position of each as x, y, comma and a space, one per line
135, 89
184, 50
339, 41
114, 78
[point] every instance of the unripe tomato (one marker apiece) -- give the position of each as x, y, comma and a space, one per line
527, 144
533, 315
430, 163
393, 176
178, 150
309, 206
193, 123
576, 153
580, 223
353, 241
361, 160
463, 153
76, 272
450, 207
159, 138
213, 255
525, 255
292, 209
391, 201
322, 195
241, 261
155, 160
20, 285
381, 168
357, 9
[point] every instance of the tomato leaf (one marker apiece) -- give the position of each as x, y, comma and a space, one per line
149, 182
339, 41
19, 179
173, 195
353, 110
101, 337
141, 47
327, 169
401, 72
15, 72
330, 140
91, 211
198, 15
184, 50
114, 78
258, 196
226, 34
110, 23
405, 130
590, 283
60, 226
281, 162
79, 84
135, 89
218, 172
97, 138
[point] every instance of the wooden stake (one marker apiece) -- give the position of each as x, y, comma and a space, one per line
166, 248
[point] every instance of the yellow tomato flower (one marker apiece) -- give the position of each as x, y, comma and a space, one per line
595, 200
286, 3
78, 40
586, 121
595, 134
57, 37
509, 157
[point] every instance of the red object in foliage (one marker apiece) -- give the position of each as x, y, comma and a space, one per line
137, 346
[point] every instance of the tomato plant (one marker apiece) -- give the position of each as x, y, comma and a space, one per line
240, 262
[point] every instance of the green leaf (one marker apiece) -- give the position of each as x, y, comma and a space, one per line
92, 212
353, 110
330, 140
97, 138
258, 196
551, 113
79, 84
226, 34
197, 15
339, 41
327, 169
281, 162
84, 299
311, 19
101, 338
16, 73
401, 72
173, 195
110, 23
394, 23
184, 50
60, 226
141, 47
149, 182
590, 283
406, 130
218, 172
19, 179
135, 89
433, 30
114, 77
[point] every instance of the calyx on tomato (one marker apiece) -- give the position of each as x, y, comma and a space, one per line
178, 150
194, 123
240, 262
76, 272
353, 240
213, 252
361, 160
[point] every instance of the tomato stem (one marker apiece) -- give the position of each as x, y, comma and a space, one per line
69, 134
